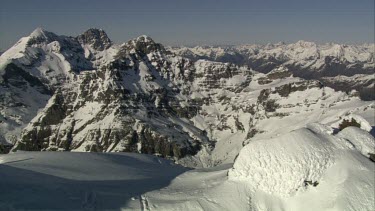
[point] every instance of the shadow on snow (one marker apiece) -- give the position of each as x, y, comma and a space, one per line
27, 189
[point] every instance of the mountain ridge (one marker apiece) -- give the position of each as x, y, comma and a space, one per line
140, 96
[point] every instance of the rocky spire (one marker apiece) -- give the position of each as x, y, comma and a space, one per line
97, 38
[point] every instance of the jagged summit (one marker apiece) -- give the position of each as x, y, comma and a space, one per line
97, 38
144, 45
144, 38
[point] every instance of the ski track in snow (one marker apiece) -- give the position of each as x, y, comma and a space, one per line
144, 203
90, 201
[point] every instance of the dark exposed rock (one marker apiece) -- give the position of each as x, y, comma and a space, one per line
18, 77
263, 96
252, 132
278, 75
40, 36
157, 144
286, 89
367, 94
366, 88
264, 80
144, 45
346, 123
309, 182
4, 149
97, 38
263, 65
270, 105
372, 157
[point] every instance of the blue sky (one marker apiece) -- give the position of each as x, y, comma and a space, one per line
192, 22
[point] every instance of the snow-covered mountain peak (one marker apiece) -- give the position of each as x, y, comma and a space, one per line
144, 38
96, 38
144, 45
304, 43
40, 32
40, 35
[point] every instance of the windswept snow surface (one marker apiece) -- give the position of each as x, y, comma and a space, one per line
284, 170
311, 168
80, 181
261, 162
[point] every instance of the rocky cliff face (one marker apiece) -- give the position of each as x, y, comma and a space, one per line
30, 72
87, 94
129, 104
96, 38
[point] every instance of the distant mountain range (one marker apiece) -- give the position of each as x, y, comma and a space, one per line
198, 105
342, 67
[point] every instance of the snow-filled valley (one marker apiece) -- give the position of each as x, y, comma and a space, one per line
88, 124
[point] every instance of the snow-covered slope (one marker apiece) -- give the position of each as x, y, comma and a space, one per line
46, 55
307, 169
331, 171
262, 111
80, 181
311, 168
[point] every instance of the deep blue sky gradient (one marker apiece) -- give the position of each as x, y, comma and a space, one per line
192, 22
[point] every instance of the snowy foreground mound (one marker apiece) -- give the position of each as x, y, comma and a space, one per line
310, 168
281, 165
307, 169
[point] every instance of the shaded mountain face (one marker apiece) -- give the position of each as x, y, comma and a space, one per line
328, 62
96, 38
30, 72
87, 94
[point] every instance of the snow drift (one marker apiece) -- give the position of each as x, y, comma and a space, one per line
281, 165
329, 171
